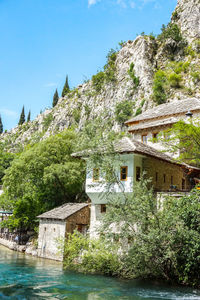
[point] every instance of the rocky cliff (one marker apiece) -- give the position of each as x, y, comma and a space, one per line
144, 72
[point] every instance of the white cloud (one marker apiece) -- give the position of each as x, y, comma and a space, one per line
8, 112
122, 3
92, 2
50, 84
132, 4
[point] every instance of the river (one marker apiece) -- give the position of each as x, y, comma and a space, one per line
26, 277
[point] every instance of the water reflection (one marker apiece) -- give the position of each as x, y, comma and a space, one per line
26, 277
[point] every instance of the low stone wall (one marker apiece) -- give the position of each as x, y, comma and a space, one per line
28, 248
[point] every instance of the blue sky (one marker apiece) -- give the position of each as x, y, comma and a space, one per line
44, 40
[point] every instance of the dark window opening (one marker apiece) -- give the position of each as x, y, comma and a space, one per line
164, 178
183, 184
103, 208
123, 173
138, 172
156, 176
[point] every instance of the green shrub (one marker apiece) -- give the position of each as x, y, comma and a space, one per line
131, 73
138, 111
76, 115
98, 81
123, 111
175, 80
170, 31
195, 77
90, 256
110, 67
160, 80
47, 121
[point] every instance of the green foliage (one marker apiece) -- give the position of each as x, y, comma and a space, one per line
138, 111
159, 94
76, 115
29, 116
123, 111
1, 125
108, 75
22, 117
55, 98
90, 256
5, 161
122, 44
162, 243
98, 81
47, 121
189, 51
131, 73
184, 138
195, 76
175, 80
170, 31
42, 177
66, 88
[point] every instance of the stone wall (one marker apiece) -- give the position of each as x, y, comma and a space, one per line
167, 174
49, 232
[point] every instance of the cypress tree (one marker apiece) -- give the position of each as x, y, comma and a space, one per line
29, 116
1, 126
22, 117
66, 88
55, 98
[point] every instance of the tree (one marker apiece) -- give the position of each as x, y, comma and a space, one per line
183, 138
42, 177
29, 116
22, 117
1, 125
55, 98
66, 88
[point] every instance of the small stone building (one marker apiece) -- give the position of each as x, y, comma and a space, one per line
57, 223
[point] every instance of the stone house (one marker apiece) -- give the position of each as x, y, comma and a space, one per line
57, 223
146, 126
134, 158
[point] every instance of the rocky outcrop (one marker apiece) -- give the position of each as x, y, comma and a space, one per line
187, 16
147, 55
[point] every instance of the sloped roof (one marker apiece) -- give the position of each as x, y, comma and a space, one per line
167, 109
63, 212
130, 145
152, 124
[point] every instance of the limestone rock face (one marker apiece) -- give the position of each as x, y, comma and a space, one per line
188, 18
148, 54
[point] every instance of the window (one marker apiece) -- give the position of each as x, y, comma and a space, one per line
95, 174
156, 176
183, 184
155, 137
123, 173
164, 178
103, 208
79, 227
137, 173
144, 138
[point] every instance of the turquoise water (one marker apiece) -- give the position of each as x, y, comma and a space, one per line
26, 277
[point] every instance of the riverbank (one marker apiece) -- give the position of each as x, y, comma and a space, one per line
28, 248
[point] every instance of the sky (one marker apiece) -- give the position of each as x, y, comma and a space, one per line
42, 41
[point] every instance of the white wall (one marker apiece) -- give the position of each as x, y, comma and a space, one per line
47, 239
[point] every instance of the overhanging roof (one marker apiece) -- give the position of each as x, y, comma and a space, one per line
63, 212
168, 109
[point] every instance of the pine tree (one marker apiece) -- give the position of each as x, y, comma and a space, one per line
66, 88
22, 117
55, 98
1, 126
29, 116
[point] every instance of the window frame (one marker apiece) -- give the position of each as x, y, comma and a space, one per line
93, 175
103, 208
144, 141
136, 173
121, 174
